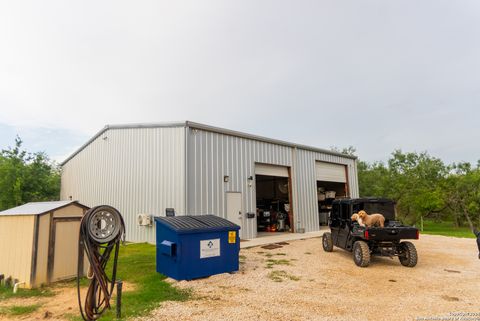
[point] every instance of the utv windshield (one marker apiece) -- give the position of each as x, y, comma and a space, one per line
387, 209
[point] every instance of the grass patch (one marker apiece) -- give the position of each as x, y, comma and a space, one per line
281, 254
308, 253
16, 310
280, 276
7, 293
272, 262
446, 229
136, 264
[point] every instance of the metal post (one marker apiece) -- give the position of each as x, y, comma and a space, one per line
119, 298
421, 223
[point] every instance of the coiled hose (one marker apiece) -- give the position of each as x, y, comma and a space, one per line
101, 231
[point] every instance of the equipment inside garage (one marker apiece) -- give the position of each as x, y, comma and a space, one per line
273, 198
331, 184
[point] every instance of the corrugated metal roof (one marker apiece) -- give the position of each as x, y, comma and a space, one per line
36, 208
206, 128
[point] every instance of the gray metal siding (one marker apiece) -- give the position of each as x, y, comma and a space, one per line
213, 155
307, 204
137, 170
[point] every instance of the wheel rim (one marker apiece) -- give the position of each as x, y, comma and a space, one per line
325, 243
358, 254
103, 226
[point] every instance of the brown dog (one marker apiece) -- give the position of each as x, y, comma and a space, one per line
357, 218
372, 219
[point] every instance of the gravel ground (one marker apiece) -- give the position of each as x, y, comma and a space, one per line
302, 282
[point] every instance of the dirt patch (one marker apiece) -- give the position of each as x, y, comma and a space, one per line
271, 246
329, 286
58, 307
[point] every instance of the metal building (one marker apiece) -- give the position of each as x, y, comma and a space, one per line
199, 169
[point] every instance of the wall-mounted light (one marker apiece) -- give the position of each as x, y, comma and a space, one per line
250, 181
226, 178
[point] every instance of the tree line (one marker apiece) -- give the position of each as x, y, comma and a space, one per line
424, 187
27, 177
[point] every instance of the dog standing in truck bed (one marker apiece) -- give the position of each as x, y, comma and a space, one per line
372, 219
356, 218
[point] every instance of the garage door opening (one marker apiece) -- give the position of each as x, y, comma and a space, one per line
331, 184
273, 199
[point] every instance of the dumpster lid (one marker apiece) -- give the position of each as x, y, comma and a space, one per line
192, 223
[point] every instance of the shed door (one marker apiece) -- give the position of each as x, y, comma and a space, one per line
65, 255
234, 209
329, 172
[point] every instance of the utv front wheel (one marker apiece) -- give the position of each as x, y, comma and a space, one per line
361, 254
408, 257
327, 242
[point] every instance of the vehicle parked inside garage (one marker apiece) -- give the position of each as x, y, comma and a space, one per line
367, 241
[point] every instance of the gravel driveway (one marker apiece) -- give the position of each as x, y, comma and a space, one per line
302, 282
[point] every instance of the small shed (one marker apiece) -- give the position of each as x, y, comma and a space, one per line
39, 242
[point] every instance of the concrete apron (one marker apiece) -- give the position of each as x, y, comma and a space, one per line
281, 237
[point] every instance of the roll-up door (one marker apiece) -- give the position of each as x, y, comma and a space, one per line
330, 172
271, 170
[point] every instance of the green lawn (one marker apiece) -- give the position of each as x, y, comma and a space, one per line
7, 293
446, 229
17, 310
136, 265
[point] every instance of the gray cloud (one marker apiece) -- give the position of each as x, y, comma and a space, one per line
378, 75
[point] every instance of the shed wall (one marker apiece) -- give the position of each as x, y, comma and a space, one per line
69, 211
136, 170
42, 250
16, 245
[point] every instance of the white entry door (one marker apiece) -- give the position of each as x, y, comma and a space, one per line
234, 209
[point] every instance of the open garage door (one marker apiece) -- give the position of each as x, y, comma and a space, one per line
328, 172
271, 170
332, 183
273, 199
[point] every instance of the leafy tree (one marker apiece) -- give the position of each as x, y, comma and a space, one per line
26, 177
462, 194
423, 186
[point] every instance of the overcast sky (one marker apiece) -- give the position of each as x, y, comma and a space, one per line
378, 75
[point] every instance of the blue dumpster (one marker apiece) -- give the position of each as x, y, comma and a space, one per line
190, 247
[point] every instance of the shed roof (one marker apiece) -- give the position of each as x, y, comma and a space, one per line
38, 208
190, 124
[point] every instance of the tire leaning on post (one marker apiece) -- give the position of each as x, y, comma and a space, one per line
101, 231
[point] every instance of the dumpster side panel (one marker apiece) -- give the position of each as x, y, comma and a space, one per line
167, 264
198, 260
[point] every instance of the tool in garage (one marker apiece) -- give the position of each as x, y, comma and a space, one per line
101, 231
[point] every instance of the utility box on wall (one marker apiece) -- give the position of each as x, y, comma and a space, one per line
190, 247
39, 242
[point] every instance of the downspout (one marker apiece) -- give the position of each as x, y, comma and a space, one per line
185, 181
